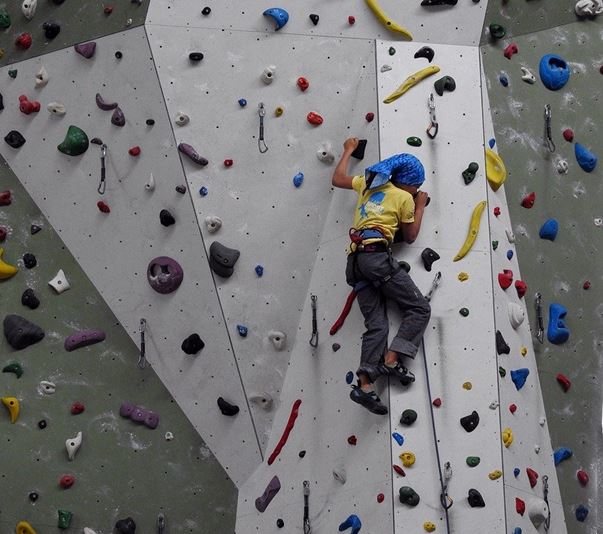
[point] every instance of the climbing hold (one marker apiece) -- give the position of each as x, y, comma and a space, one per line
3, 233
583, 477
7, 270
564, 382
353, 522
385, 68
581, 513
34, 229
475, 499
302, 83
259, 270
56, 108
23, 527
213, 223
195, 57
507, 437
12, 73
521, 287
192, 154
496, 211
75, 142
42, 424
103, 207
339, 474
280, 523
166, 218
72, 445
501, 345
520, 506
23, 41
523, 350
182, 119
437, 402
83, 338
351, 20
352, 440
4, 19
549, 230
164, 274
180, 189
386, 21
505, 279
504, 81
463, 276
41, 77
470, 172
301, 454
264, 401
414, 141
349, 377
562, 166
467, 386
516, 314
66, 481
446, 83
527, 76
65, 518
470, 422
325, 153
532, 476
278, 339
222, 259
494, 405
538, 511
51, 29
557, 331
192, 344
472, 461
408, 417
510, 50
399, 470
86, 49
314, 18
12, 405
399, 438
125, 526
242, 330
273, 487
102, 104
464, 312
409, 496
586, 159
278, 111
150, 185
46, 388
314, 118
497, 31
495, 475
14, 139
59, 283
519, 377
528, 200
429, 256
425, 52
473, 230
562, 453
496, 172
267, 75
77, 408
428, 526
554, 71
206, 11
278, 15
226, 408
21, 333
588, 8
15, 368
391, 51
298, 179
568, 135
242, 102
408, 458
411, 81
118, 118
380, 498
502, 372
27, 106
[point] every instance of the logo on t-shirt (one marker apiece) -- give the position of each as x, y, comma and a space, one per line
373, 206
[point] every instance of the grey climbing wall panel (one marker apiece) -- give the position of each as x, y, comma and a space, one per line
559, 269
122, 468
80, 20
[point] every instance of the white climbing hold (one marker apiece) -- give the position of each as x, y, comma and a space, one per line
516, 315
41, 77
385, 68
562, 166
213, 223
263, 400
182, 119
28, 8
510, 236
169, 436
59, 283
150, 185
536, 448
268, 74
89, 531
340, 475
72, 445
598, 221
278, 339
325, 153
129, 22
46, 388
588, 8
527, 75
538, 511
494, 405
542, 420
56, 108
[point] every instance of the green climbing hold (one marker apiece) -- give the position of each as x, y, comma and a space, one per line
473, 461
409, 496
15, 368
65, 518
4, 19
464, 312
470, 172
494, 245
497, 31
391, 50
75, 143
502, 372
408, 417
12, 73
414, 141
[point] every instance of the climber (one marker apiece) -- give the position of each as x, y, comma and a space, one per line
389, 202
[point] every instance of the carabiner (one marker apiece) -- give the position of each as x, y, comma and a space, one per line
432, 128
102, 185
547, 139
314, 338
261, 143
142, 361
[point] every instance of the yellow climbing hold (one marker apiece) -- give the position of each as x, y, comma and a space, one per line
507, 437
23, 527
463, 276
1, 53
408, 459
12, 405
524, 351
411, 81
493, 475
6, 270
279, 111
386, 21
467, 385
476, 217
429, 526
496, 172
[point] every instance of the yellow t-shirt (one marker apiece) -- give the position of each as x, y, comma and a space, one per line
386, 207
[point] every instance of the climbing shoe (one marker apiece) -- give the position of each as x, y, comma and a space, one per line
400, 372
369, 400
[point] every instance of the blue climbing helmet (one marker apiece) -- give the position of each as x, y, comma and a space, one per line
401, 169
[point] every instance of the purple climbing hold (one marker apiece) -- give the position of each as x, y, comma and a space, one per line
83, 339
86, 49
138, 414
151, 420
105, 106
189, 151
126, 409
164, 274
262, 502
519, 377
581, 513
118, 118
562, 453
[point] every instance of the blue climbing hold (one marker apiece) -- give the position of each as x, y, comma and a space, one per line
352, 522
242, 102
504, 80
586, 159
549, 230
519, 377
278, 15
349, 377
242, 330
516, 472
492, 142
562, 453
259, 270
298, 179
203, 191
554, 71
517, 530
581, 513
509, 254
399, 439
557, 332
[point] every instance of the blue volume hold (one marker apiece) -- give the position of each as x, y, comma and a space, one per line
554, 71
549, 230
562, 453
279, 15
581, 513
399, 439
352, 522
586, 159
298, 179
557, 332
519, 377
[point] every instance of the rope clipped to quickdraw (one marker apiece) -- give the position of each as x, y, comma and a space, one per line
545, 483
547, 138
102, 184
314, 338
432, 129
307, 527
261, 143
142, 361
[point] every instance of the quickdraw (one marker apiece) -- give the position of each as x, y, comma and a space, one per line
539, 319
545, 483
142, 361
102, 184
547, 138
307, 527
432, 129
261, 143
314, 338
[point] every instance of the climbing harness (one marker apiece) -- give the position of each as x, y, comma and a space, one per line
142, 361
102, 185
545, 483
538, 304
547, 138
432, 129
261, 143
307, 527
314, 338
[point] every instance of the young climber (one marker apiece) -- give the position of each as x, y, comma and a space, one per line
389, 201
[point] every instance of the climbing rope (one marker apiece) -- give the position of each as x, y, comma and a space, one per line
307, 527
314, 338
432, 129
142, 361
261, 143
545, 483
547, 138
538, 305
102, 184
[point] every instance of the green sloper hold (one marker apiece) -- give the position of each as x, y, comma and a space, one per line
15, 368
4, 19
409, 496
497, 31
502, 372
12, 73
65, 518
414, 141
473, 461
75, 143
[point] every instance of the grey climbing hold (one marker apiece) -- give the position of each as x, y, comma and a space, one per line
14, 139
222, 259
118, 118
192, 344
262, 502
278, 339
29, 299
83, 339
470, 422
408, 496
192, 154
226, 408
470, 172
501, 345
475, 499
86, 49
445, 83
538, 511
166, 218
164, 274
21, 333
429, 256
264, 401
408, 417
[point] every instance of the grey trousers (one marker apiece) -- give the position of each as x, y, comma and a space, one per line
373, 267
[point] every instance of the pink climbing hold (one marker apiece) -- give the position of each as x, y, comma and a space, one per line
286, 432
369, 116
134, 151
103, 206
512, 408
85, 49
564, 382
496, 211
520, 506
532, 477
5, 198
521, 288
505, 279
28, 106
528, 200
568, 135
583, 477
510, 50
66, 481
437, 402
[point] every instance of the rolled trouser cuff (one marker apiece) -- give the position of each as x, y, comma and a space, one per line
404, 347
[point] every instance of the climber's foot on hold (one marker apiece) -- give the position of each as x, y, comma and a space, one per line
369, 400
394, 368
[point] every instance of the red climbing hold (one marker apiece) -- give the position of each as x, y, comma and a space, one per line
228, 163
512, 408
23, 41
314, 118
352, 440
510, 50
302, 83
3, 233
26, 106
369, 116
568, 135
67, 481
5, 198
77, 408
134, 151
528, 200
505, 279
586, 285
399, 470
521, 288
582, 477
351, 20
287, 431
108, 10
520, 506
102, 206
564, 381
437, 402
380, 498
496, 211
532, 476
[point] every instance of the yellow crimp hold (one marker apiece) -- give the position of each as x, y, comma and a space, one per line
411, 81
428, 526
279, 111
12, 404
496, 172
386, 21
507, 437
1, 53
463, 276
467, 385
408, 459
493, 475
524, 351
473, 229
23, 527
6, 270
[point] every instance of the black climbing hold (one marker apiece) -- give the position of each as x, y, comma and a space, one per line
34, 229
497, 31
42, 424
226, 408
192, 344
150, 122
475, 499
206, 11
13, 73
445, 83
96, 141
502, 372
470, 172
425, 52
501, 344
14, 139
464, 312
222, 259
404, 265
119, 54
1, 102
409, 496
408, 417
166, 218
29, 299
470, 422
314, 18
439, 2
359, 150
335, 347
302, 454
21, 333
57, 2
280, 523
33, 496
429, 256
181, 189
29, 260
51, 29
391, 51
195, 56
125, 526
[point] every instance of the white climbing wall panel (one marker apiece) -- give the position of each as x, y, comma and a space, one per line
461, 24
115, 249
